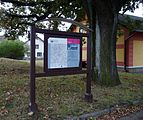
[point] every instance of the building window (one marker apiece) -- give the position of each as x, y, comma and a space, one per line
39, 54
37, 46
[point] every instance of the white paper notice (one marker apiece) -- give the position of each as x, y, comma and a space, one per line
57, 52
63, 52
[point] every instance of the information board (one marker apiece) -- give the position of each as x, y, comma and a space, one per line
63, 52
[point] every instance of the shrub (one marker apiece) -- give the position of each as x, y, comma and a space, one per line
12, 49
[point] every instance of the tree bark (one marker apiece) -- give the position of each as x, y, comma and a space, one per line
106, 28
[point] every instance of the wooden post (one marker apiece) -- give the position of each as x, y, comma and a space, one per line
88, 95
32, 105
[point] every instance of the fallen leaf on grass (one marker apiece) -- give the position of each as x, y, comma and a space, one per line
3, 111
31, 113
120, 112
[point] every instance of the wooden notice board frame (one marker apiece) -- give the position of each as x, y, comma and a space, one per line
59, 71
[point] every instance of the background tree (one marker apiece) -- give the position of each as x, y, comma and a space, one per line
102, 13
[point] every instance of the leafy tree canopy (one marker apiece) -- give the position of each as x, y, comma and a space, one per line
17, 15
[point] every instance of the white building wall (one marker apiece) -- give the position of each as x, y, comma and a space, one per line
39, 51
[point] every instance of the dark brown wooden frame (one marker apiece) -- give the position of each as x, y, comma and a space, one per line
59, 71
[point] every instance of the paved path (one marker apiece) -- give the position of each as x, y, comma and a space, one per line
134, 116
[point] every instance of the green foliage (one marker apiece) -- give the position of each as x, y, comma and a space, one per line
16, 17
12, 49
120, 32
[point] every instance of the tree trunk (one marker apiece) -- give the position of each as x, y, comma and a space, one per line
106, 27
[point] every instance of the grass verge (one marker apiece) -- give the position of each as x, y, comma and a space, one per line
59, 97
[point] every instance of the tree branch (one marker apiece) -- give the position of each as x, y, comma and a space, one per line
21, 16
32, 4
18, 3
43, 16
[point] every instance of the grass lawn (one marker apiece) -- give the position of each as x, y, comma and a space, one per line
59, 97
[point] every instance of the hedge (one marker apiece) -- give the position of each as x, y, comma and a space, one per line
12, 49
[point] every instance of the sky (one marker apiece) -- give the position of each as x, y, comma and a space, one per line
138, 12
